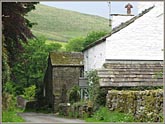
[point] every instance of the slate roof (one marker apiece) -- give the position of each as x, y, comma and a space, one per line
66, 58
118, 28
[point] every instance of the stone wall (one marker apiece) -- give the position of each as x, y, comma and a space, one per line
64, 77
143, 105
76, 110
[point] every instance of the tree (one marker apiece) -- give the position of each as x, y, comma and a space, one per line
75, 44
31, 67
15, 27
5, 66
93, 36
79, 43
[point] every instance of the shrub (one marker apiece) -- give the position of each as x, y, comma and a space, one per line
29, 92
74, 94
96, 94
93, 84
101, 97
8, 102
9, 87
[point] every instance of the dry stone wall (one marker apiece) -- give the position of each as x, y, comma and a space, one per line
143, 105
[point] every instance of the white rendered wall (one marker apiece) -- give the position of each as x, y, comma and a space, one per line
141, 40
146, 4
94, 57
117, 20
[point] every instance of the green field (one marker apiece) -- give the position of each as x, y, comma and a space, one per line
61, 25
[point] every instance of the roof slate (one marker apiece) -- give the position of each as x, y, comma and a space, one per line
66, 58
118, 28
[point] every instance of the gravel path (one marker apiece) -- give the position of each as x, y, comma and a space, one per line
47, 118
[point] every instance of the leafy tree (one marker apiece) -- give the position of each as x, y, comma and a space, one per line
75, 44
93, 36
32, 64
79, 43
15, 27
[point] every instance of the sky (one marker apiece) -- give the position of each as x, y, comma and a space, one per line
100, 8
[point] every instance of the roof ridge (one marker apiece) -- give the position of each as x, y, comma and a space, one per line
125, 24
120, 27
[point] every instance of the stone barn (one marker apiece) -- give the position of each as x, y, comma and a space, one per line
63, 72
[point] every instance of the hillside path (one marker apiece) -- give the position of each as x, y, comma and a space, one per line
47, 118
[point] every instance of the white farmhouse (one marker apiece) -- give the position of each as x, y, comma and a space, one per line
136, 42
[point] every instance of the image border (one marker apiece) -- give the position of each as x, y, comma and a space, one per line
70, 1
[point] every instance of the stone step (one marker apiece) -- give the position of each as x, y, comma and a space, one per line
127, 73
134, 67
128, 84
124, 69
129, 80
132, 64
137, 69
127, 76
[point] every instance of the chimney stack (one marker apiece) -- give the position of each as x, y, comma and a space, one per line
128, 6
117, 19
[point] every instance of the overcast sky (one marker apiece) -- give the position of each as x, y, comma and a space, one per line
94, 8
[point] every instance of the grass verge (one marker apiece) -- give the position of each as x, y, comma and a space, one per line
104, 115
11, 116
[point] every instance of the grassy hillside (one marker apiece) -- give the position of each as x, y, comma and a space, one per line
61, 25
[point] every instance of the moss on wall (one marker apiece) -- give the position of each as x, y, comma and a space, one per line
143, 105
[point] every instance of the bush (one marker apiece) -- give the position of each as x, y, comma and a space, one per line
101, 97
8, 102
9, 87
93, 84
74, 94
96, 94
29, 92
